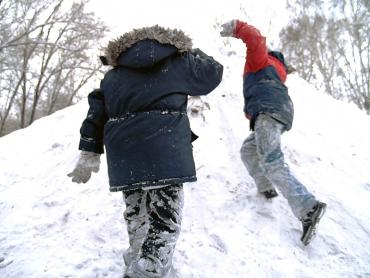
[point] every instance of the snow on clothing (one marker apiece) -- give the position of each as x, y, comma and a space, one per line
153, 220
270, 110
261, 154
264, 76
141, 104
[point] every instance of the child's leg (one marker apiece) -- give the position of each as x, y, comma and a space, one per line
164, 208
137, 222
249, 156
267, 136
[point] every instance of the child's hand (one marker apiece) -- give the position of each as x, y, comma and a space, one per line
228, 28
87, 163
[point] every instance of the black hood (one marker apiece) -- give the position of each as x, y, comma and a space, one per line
278, 55
145, 54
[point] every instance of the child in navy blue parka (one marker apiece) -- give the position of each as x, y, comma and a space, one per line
139, 114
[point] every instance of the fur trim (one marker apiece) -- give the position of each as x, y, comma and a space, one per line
174, 37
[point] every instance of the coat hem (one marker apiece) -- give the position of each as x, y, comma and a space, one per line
151, 184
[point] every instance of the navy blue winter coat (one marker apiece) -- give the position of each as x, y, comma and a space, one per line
139, 111
265, 93
264, 75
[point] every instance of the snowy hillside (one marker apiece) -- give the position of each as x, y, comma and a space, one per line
51, 227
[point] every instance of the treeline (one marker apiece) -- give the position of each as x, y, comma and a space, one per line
46, 53
45, 57
328, 42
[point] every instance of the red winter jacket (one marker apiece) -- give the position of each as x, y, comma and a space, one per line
263, 81
257, 57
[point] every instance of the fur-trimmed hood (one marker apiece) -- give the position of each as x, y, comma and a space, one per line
168, 40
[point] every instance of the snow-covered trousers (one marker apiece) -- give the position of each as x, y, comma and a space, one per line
262, 156
153, 219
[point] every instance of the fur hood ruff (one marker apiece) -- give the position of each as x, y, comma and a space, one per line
173, 37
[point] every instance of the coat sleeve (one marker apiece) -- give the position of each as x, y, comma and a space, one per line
92, 129
257, 57
205, 73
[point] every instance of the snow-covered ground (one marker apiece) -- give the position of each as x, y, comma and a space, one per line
51, 227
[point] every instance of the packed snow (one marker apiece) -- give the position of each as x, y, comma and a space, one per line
51, 227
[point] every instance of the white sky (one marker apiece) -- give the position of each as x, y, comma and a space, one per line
193, 16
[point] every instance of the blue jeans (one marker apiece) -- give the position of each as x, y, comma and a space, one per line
262, 156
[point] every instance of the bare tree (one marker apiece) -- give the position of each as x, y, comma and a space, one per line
331, 50
46, 57
354, 48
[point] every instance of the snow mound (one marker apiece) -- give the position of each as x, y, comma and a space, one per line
51, 227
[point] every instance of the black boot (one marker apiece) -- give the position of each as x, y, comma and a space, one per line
310, 222
269, 194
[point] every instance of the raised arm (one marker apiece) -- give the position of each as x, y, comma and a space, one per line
256, 56
205, 73
256, 45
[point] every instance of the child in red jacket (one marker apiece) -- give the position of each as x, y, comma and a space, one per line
270, 110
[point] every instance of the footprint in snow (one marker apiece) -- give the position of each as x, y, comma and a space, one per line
218, 243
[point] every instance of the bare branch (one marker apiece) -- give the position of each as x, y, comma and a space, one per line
44, 59
331, 49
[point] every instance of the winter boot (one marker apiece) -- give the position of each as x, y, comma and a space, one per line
310, 222
149, 268
269, 194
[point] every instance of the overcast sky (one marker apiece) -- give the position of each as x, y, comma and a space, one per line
193, 16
